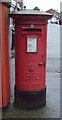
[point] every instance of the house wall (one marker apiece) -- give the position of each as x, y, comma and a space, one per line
53, 12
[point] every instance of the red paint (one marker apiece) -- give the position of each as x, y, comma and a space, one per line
4, 58
29, 75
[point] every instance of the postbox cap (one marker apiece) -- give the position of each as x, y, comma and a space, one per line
30, 15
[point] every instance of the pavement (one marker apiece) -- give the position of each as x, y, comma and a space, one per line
52, 108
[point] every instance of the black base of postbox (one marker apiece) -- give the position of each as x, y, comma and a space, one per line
30, 99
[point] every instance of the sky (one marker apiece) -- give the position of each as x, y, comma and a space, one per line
43, 5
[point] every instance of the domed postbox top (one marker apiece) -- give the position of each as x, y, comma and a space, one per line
31, 15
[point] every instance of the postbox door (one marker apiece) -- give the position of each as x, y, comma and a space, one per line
35, 62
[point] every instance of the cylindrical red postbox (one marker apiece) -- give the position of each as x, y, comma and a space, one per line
30, 57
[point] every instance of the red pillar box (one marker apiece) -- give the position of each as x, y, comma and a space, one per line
30, 57
4, 56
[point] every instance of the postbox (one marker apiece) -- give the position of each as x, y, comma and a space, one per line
30, 57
